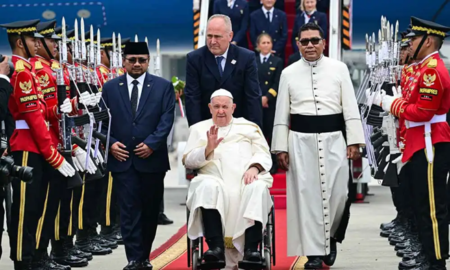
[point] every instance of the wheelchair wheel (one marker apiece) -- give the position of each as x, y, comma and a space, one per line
267, 259
195, 259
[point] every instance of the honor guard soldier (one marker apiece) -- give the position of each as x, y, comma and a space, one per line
59, 195
424, 106
31, 145
269, 72
88, 240
103, 69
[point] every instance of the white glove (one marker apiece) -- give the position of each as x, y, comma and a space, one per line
80, 155
399, 163
397, 91
98, 96
93, 100
66, 107
77, 165
386, 102
85, 98
66, 169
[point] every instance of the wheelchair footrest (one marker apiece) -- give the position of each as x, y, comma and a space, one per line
251, 265
212, 265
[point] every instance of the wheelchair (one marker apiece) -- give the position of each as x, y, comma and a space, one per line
195, 250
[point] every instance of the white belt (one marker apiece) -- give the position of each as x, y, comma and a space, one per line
22, 124
428, 144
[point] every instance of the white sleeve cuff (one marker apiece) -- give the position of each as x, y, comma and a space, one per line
4, 77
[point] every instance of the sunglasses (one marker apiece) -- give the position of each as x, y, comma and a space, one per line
314, 41
133, 60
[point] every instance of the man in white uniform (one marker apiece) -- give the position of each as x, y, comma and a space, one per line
317, 129
229, 199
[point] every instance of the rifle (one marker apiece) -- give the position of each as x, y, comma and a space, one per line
66, 123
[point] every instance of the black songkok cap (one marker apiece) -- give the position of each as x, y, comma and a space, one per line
136, 48
47, 29
24, 28
420, 27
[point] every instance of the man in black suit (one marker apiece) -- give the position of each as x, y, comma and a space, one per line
142, 110
222, 65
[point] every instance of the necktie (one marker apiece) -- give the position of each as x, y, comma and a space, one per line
219, 63
134, 97
268, 16
264, 59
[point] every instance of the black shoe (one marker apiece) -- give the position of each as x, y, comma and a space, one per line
93, 248
403, 245
164, 220
252, 256
397, 240
42, 261
419, 260
103, 242
387, 226
331, 258
112, 234
214, 255
385, 233
133, 265
313, 262
75, 251
146, 265
61, 254
22, 266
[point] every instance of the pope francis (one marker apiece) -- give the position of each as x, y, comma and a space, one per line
229, 199
317, 129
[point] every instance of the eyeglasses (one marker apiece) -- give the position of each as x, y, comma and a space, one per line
133, 60
314, 41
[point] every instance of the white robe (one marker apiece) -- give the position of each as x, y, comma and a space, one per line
318, 166
219, 182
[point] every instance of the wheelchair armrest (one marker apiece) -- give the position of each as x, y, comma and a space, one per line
190, 174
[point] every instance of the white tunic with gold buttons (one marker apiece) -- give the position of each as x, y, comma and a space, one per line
318, 166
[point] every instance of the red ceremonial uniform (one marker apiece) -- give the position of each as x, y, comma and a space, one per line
29, 109
426, 96
102, 73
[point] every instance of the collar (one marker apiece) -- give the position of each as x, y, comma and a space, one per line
21, 58
42, 59
262, 56
225, 54
140, 79
312, 63
310, 13
265, 10
428, 56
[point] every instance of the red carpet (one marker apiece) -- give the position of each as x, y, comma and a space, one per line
172, 255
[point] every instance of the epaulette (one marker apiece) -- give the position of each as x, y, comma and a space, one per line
103, 70
432, 63
38, 65
19, 66
55, 65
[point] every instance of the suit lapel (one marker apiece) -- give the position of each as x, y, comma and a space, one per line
229, 67
146, 89
211, 64
123, 90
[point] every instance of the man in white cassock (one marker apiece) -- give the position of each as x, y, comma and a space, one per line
229, 199
317, 129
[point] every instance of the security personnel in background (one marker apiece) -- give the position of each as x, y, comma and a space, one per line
58, 200
269, 72
272, 21
424, 107
88, 239
31, 145
256, 4
239, 14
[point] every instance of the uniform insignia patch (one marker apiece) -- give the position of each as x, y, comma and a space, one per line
272, 68
26, 87
44, 80
428, 79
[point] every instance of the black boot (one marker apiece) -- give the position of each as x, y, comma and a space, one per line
74, 250
331, 258
61, 254
314, 262
416, 262
213, 235
42, 261
87, 244
101, 240
112, 233
22, 266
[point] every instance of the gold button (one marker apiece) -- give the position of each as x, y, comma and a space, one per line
267, 82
